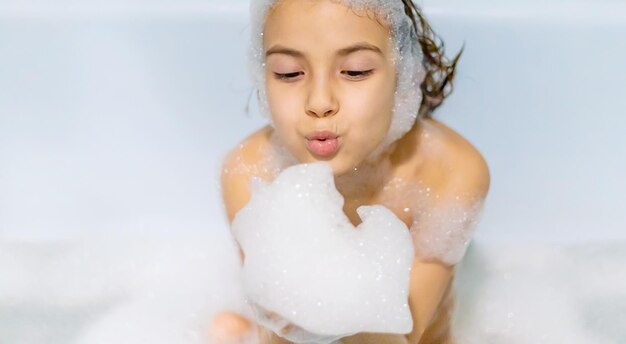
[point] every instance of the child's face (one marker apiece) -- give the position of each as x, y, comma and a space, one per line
325, 84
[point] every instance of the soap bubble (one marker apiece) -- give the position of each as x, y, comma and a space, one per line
306, 261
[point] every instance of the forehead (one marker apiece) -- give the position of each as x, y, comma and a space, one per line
310, 25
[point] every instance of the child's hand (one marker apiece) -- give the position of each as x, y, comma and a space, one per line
232, 328
287, 327
280, 326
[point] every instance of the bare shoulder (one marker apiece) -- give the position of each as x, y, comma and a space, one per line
250, 149
238, 168
464, 169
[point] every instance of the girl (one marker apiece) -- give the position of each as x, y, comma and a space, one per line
354, 83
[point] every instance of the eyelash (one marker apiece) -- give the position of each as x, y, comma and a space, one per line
360, 73
286, 76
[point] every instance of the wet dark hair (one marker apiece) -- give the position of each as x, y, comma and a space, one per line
440, 72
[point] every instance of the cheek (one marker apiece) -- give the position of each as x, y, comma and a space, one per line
372, 104
283, 105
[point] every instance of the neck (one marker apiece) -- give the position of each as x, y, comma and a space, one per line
370, 177
366, 179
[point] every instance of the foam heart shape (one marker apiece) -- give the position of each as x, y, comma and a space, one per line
308, 263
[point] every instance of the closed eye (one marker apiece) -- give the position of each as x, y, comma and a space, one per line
287, 76
357, 74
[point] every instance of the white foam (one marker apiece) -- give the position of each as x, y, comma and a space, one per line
542, 293
157, 289
165, 290
443, 226
308, 263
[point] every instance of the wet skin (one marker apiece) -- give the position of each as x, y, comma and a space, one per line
432, 156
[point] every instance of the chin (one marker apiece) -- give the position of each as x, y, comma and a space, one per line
341, 167
338, 170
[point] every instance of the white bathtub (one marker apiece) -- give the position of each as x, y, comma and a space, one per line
114, 117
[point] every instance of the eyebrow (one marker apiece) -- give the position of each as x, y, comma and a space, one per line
279, 49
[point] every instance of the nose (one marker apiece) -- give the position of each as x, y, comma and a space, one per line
321, 100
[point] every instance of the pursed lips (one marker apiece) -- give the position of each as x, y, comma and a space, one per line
322, 143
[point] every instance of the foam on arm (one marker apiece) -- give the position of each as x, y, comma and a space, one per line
443, 229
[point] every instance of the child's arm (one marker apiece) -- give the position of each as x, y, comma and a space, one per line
429, 281
375, 338
238, 168
235, 192
424, 300
433, 269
